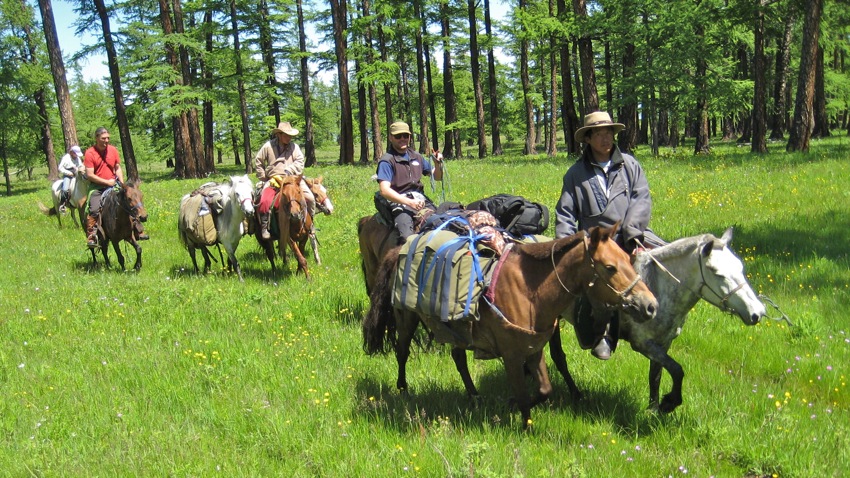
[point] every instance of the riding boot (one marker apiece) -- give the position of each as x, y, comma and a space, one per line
91, 231
141, 235
264, 226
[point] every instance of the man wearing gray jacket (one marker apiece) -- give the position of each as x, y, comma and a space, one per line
603, 187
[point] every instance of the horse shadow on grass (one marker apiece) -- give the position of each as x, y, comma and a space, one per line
439, 401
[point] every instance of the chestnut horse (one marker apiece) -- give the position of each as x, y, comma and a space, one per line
294, 224
680, 274
118, 212
323, 205
536, 282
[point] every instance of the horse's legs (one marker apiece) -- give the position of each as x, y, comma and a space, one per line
459, 356
205, 252
268, 246
138, 247
299, 256
556, 351
314, 244
515, 371
658, 359
104, 248
537, 363
191, 249
117, 248
406, 324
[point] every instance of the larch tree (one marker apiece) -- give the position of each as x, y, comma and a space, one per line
57, 68
474, 54
495, 130
339, 14
802, 123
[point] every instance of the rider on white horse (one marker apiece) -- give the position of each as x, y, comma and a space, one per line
69, 165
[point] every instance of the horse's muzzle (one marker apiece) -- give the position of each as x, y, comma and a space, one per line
641, 307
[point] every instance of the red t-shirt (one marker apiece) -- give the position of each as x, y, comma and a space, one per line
104, 163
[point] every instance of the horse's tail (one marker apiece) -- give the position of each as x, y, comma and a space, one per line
379, 325
360, 224
47, 212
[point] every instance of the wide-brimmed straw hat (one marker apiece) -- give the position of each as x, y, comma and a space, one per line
287, 128
597, 119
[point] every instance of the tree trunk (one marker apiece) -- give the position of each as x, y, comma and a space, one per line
41, 104
801, 127
821, 126
452, 148
346, 131
585, 53
424, 139
474, 54
207, 74
362, 115
388, 97
701, 145
530, 127
432, 107
495, 132
267, 49
240, 88
304, 70
204, 166
377, 142
60, 83
759, 114
783, 59
552, 130
569, 120
628, 113
130, 169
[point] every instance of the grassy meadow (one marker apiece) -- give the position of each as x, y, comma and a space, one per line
166, 373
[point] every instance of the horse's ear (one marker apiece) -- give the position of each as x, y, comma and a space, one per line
706, 248
599, 234
727, 236
319, 179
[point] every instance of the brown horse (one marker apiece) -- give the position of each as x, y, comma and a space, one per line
294, 224
376, 238
536, 283
118, 212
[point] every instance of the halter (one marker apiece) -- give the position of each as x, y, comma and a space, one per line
133, 212
620, 294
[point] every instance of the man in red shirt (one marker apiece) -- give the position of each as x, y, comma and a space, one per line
103, 169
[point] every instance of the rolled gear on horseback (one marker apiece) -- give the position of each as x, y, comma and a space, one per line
103, 170
279, 157
401, 194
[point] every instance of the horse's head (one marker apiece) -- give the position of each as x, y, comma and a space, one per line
724, 283
132, 199
242, 190
615, 281
323, 201
292, 200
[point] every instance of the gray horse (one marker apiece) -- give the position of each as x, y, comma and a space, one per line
679, 274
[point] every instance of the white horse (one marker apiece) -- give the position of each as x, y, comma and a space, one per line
236, 203
679, 274
79, 192
323, 204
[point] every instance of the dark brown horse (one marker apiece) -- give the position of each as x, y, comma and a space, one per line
536, 283
376, 238
119, 211
294, 224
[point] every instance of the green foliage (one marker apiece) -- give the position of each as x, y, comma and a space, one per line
164, 372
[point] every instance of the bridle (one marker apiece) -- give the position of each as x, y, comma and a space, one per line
124, 202
622, 295
724, 299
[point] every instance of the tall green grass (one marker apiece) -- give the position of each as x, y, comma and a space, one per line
162, 372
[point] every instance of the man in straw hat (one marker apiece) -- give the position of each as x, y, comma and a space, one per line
279, 157
603, 187
399, 176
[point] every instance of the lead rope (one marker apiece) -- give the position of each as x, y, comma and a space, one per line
555, 268
770, 302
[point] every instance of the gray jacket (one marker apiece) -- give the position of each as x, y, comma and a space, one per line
584, 203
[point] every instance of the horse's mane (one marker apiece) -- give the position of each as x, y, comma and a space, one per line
677, 248
544, 250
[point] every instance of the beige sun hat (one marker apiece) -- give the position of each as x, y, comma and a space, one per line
399, 127
287, 128
597, 119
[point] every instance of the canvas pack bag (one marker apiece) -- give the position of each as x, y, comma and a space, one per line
198, 221
441, 275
